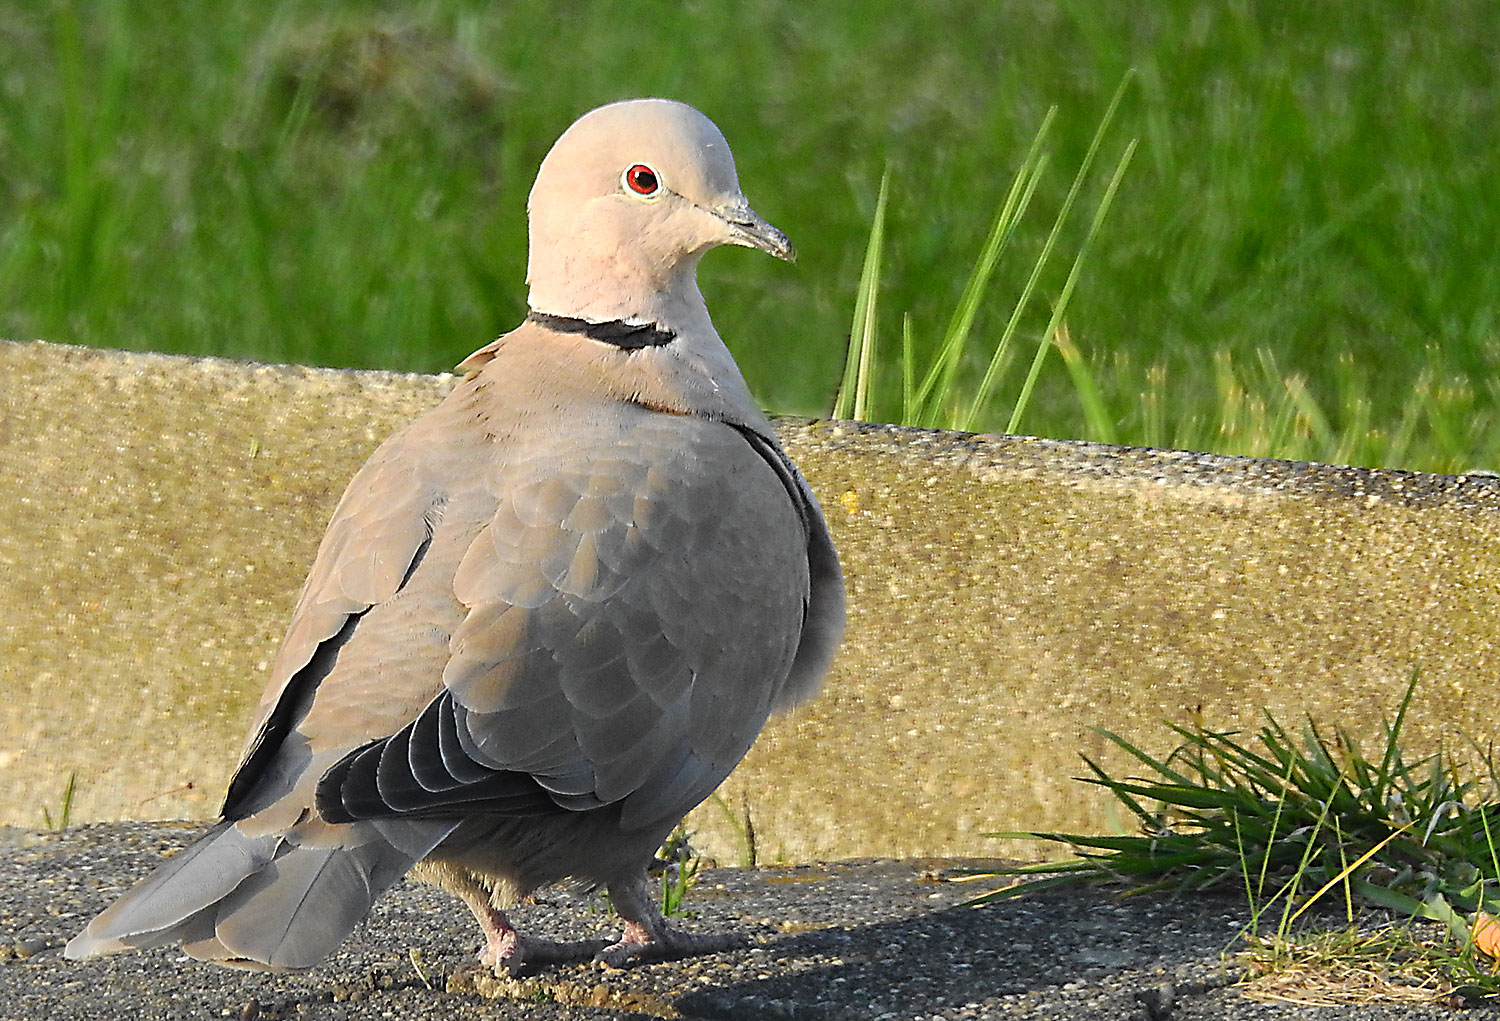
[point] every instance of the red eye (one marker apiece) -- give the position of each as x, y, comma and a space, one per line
641, 179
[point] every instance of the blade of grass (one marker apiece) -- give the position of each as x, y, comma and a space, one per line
1104, 779
1392, 752
1489, 842
908, 371
1068, 285
1101, 427
853, 395
988, 383
939, 380
1156, 764
1344, 873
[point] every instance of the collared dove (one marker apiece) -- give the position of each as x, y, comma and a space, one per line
548, 617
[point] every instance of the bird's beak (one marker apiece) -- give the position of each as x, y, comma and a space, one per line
748, 229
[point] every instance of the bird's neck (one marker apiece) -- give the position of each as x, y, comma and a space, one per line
621, 291
689, 372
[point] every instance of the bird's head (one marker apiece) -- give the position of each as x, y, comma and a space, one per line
625, 203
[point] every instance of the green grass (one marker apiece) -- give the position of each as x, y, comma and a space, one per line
64, 815
940, 401
679, 865
1295, 825
1298, 261
742, 825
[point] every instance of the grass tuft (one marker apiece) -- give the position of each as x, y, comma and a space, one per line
679, 865
1296, 823
64, 808
1349, 966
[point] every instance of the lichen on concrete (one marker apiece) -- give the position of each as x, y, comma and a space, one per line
1007, 595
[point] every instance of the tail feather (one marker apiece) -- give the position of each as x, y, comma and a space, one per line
292, 913
158, 908
296, 910
278, 902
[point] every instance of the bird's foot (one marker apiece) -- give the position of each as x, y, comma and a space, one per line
507, 953
665, 944
647, 936
523, 954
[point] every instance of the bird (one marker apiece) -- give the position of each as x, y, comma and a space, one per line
547, 618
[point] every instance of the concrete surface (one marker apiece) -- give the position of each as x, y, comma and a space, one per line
869, 940
158, 514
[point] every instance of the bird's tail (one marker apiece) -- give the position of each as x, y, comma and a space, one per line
273, 901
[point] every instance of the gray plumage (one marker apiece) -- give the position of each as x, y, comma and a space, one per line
549, 617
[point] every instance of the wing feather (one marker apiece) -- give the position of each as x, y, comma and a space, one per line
631, 618
380, 532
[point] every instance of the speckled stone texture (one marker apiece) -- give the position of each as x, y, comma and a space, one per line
863, 940
158, 513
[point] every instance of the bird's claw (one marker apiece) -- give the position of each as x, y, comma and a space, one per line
526, 954
666, 945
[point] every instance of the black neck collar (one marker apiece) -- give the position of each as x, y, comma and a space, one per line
615, 332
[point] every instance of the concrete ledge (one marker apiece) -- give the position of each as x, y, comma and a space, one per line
1007, 595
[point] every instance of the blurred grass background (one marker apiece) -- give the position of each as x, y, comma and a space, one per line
1300, 262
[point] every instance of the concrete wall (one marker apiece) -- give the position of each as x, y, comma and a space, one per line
157, 515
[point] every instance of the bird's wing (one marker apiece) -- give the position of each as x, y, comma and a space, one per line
632, 617
377, 536
823, 626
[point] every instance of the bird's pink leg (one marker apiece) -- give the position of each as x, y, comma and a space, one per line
503, 948
506, 951
647, 935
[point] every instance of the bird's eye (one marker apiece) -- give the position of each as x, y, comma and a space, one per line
642, 180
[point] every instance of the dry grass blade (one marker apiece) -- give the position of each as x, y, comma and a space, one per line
1347, 968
